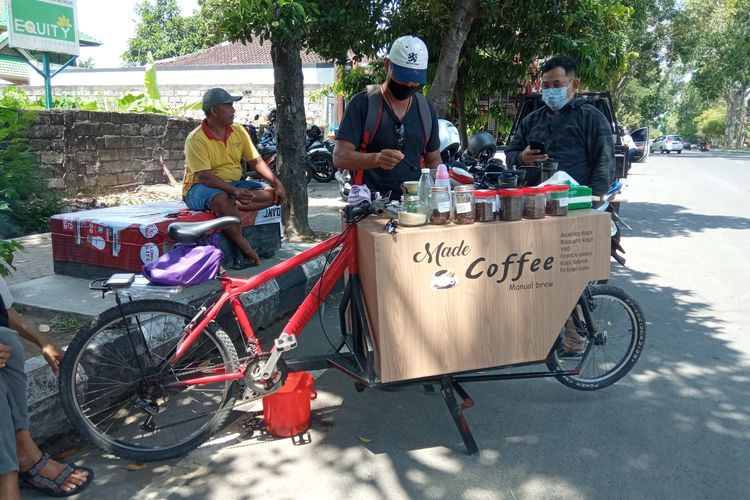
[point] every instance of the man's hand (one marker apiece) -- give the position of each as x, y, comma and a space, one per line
279, 193
53, 355
244, 196
387, 159
5, 352
529, 156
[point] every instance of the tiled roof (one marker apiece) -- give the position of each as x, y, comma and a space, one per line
235, 53
13, 69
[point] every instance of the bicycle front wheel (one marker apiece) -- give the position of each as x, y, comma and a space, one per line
118, 390
619, 334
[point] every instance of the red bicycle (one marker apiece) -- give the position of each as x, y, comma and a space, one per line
152, 379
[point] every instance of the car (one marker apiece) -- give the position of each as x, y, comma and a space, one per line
686, 145
667, 144
603, 102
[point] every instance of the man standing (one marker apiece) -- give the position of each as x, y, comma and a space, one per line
213, 170
576, 135
405, 131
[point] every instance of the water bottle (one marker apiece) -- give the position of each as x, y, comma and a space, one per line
425, 183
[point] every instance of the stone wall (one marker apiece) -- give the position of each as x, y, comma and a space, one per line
256, 99
90, 149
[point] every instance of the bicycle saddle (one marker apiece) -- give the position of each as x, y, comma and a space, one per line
189, 232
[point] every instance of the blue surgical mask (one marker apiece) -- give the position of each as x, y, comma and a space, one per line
555, 98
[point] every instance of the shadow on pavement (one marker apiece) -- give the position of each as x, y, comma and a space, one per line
656, 220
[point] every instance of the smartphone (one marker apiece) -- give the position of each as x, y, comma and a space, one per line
537, 145
121, 280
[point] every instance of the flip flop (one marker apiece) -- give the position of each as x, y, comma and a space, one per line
53, 487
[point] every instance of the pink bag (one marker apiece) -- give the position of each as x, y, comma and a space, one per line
184, 265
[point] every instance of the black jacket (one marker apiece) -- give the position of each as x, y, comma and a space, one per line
579, 139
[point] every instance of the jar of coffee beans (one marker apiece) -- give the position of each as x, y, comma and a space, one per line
485, 205
463, 198
534, 202
557, 199
440, 205
511, 204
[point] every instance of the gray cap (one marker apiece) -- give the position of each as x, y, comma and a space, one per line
215, 96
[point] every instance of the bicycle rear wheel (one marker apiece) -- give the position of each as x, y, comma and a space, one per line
620, 332
116, 393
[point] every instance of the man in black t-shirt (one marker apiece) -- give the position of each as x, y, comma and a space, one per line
395, 153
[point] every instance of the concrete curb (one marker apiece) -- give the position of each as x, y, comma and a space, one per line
264, 306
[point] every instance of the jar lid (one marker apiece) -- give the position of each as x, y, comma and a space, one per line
535, 190
438, 189
558, 187
412, 197
465, 187
485, 193
510, 192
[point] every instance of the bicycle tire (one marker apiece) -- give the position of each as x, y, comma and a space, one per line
601, 365
91, 361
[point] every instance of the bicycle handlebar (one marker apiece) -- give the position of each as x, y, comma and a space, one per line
355, 213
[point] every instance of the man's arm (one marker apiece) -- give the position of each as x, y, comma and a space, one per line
52, 354
601, 154
432, 159
262, 168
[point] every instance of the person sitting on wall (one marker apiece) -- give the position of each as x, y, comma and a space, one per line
213, 170
20, 457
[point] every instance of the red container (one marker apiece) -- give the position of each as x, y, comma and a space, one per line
287, 411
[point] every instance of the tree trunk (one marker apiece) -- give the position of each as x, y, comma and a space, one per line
735, 132
461, 113
454, 36
290, 115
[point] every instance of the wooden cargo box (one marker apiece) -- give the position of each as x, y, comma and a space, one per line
448, 299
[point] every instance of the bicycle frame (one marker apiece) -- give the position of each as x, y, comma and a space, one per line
346, 259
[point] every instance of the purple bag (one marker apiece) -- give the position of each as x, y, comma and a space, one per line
184, 265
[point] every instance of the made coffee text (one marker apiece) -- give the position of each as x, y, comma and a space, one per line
512, 265
441, 251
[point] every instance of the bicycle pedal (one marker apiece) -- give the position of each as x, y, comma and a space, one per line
285, 342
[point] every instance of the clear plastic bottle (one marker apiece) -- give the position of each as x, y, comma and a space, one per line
425, 183
441, 177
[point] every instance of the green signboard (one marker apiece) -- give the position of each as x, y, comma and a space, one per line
43, 25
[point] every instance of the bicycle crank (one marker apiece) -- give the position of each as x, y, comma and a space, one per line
257, 386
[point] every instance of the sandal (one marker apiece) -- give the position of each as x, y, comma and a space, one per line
573, 344
53, 487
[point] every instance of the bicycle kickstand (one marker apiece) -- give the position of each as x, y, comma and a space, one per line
449, 388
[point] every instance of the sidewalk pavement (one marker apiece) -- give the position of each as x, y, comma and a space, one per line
36, 288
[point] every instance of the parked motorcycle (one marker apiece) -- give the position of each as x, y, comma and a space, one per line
319, 155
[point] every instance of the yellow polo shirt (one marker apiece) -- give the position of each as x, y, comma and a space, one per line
203, 151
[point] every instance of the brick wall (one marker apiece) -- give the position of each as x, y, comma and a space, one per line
88, 149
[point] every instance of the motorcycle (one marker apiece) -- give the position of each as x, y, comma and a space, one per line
319, 159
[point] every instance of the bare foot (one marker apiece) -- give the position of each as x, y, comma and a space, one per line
252, 256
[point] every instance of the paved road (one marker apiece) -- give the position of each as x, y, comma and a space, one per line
677, 427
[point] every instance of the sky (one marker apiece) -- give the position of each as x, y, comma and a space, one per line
113, 23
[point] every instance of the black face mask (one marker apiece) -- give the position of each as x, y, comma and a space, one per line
399, 91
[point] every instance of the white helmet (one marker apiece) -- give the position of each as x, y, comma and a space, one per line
450, 139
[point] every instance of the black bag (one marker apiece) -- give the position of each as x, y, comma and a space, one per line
4, 321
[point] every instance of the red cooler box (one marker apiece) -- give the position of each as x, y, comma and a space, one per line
93, 243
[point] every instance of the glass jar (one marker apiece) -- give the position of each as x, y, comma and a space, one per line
534, 202
485, 205
510, 204
557, 199
412, 212
463, 198
440, 205
507, 180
